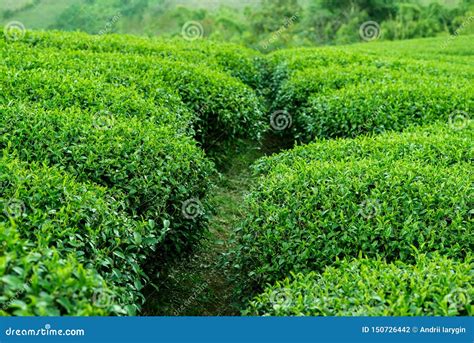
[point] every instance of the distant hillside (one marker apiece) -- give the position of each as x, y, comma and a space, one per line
266, 25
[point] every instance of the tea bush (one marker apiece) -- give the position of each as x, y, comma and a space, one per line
224, 109
367, 196
38, 282
435, 144
65, 242
240, 62
390, 106
344, 93
153, 169
65, 89
102, 141
434, 286
439, 50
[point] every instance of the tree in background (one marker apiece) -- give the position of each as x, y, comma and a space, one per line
266, 25
274, 24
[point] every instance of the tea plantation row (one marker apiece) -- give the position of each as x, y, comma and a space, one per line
366, 224
105, 174
108, 146
389, 197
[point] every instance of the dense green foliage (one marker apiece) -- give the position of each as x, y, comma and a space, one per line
119, 136
334, 93
37, 281
236, 60
66, 242
389, 196
222, 107
374, 288
129, 157
109, 146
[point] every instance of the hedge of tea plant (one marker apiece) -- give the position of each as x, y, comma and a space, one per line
386, 197
433, 286
38, 281
153, 169
65, 89
380, 106
441, 144
68, 247
105, 139
240, 62
337, 93
224, 109
443, 50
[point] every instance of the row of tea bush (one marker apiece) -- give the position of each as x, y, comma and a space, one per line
365, 224
390, 197
336, 92
104, 177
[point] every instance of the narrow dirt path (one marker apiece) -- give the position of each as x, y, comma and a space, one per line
200, 285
